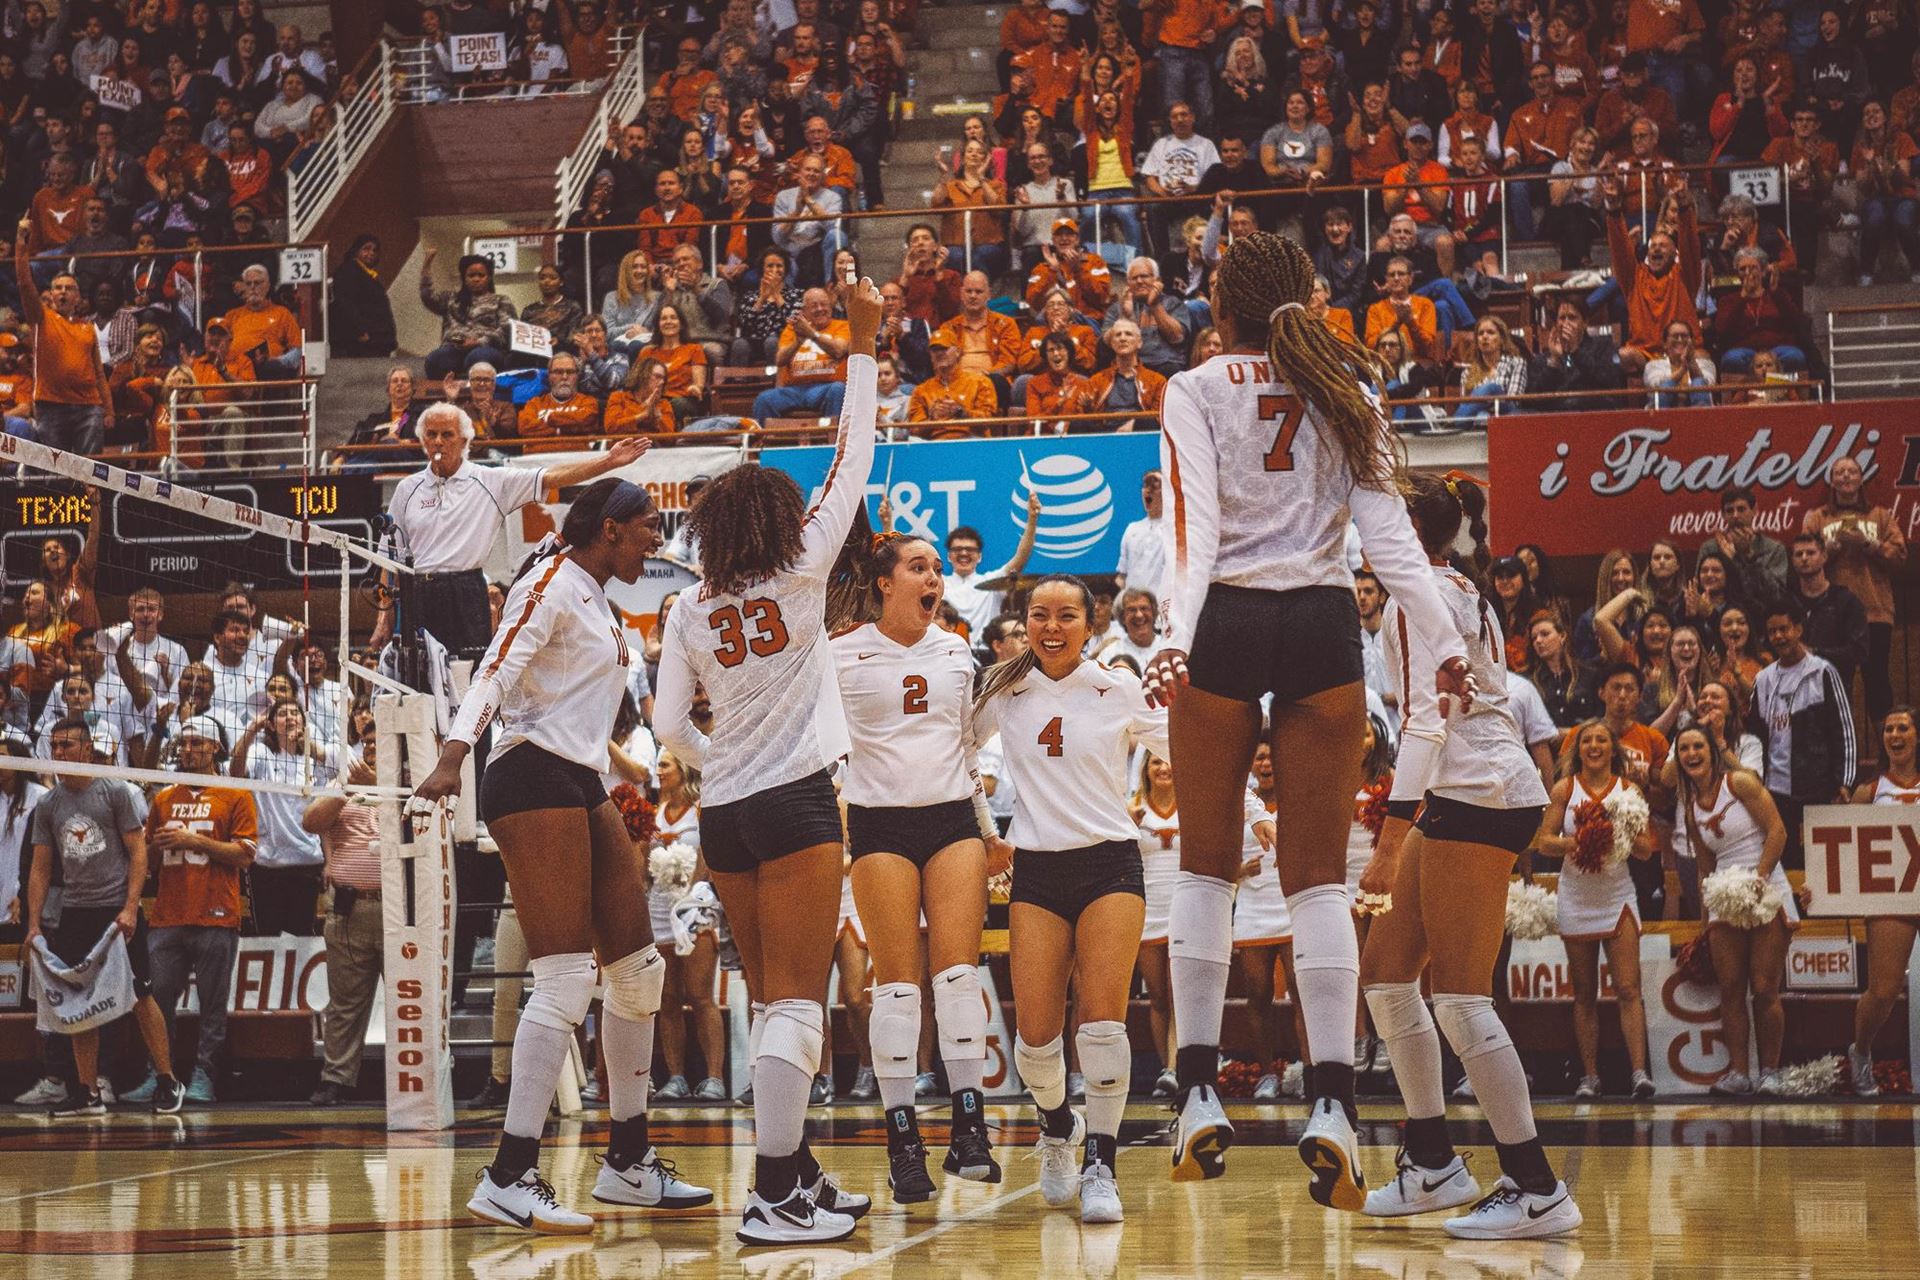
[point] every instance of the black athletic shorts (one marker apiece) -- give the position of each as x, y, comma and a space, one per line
915, 834
1405, 810
1068, 881
771, 824
525, 776
81, 927
1456, 820
1292, 644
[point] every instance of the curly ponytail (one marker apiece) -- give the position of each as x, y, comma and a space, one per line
1264, 282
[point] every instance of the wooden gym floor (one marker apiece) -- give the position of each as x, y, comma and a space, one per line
1676, 1190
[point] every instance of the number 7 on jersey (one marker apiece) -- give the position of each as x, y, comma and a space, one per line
1286, 411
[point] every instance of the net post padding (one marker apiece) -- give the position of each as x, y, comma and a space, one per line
417, 900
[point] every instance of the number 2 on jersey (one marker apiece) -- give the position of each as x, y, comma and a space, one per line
913, 699
1286, 411
1050, 738
731, 623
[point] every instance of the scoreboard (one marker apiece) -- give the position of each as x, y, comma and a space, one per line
143, 542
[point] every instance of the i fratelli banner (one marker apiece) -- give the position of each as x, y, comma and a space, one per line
1578, 483
1089, 489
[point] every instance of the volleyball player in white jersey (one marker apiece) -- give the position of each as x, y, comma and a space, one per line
1482, 805
1156, 811
1268, 450
1889, 938
917, 826
754, 635
553, 676
1598, 908
1731, 821
1067, 726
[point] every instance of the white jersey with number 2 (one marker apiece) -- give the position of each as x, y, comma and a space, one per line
1261, 494
763, 654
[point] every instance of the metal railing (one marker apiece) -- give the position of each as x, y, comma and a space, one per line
193, 304
361, 111
626, 89
241, 426
1873, 351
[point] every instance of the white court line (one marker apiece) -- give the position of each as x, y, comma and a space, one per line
139, 1177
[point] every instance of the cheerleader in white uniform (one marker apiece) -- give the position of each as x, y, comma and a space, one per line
1889, 938
1067, 725
1156, 812
755, 637
690, 978
1269, 451
1482, 806
852, 966
1731, 821
1377, 771
553, 677
1598, 908
1262, 929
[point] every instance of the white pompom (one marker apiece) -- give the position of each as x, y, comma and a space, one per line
1809, 1079
1739, 897
1627, 810
1532, 912
673, 866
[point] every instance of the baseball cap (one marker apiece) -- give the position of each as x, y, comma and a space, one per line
202, 727
177, 113
1066, 224
1420, 131
220, 323
1316, 42
938, 340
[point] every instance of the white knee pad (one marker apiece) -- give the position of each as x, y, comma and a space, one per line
1398, 1011
1106, 1058
562, 990
634, 983
1471, 1025
893, 1029
960, 1013
793, 1031
1200, 919
1042, 1067
756, 1023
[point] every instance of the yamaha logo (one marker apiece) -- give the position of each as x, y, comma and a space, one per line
1076, 504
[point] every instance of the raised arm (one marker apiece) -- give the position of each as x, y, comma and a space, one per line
1002, 577
1191, 464
846, 485
30, 310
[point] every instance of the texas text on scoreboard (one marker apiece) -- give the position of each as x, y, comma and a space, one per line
144, 543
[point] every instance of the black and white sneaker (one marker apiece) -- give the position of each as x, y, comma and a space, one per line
795, 1220
1417, 1189
528, 1203
907, 1176
168, 1096
1508, 1213
970, 1156
833, 1198
649, 1183
80, 1105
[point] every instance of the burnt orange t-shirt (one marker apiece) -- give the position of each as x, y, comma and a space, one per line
681, 361
812, 363
543, 417
66, 361
623, 414
194, 889
56, 218
272, 327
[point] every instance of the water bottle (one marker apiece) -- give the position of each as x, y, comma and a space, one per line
906, 103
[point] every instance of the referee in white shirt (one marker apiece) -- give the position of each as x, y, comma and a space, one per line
446, 518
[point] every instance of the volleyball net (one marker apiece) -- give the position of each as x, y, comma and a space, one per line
169, 618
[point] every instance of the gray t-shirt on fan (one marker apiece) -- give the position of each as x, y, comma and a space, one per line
85, 830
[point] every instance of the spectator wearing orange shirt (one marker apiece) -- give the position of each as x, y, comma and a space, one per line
1812, 162
588, 38
1126, 384
989, 343
1418, 188
249, 169
263, 330
1406, 312
1065, 264
835, 160
687, 80
1659, 291
986, 233
70, 395
176, 154
1054, 65
641, 405
55, 215
1628, 101
202, 838
952, 396
684, 360
1669, 33
1023, 27
16, 389
1373, 144
1539, 135
1185, 39
1056, 316
668, 223
215, 371
563, 410
812, 361
1057, 388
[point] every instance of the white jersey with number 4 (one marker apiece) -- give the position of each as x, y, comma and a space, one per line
763, 654
910, 716
1067, 744
1260, 495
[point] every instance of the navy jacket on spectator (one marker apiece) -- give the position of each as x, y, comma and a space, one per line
1837, 628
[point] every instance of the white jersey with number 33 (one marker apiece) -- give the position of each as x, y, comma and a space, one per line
763, 654
1261, 493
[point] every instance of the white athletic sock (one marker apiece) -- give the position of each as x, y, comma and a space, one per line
1326, 968
1044, 1069
960, 1017
783, 1075
1475, 1031
966, 1073
539, 1055
629, 1046
1401, 1018
1199, 954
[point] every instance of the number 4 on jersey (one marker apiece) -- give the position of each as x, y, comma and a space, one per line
1050, 737
1286, 411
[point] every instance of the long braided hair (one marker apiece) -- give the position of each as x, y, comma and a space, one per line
747, 525
1259, 275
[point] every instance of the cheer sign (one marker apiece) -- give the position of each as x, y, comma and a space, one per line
1863, 860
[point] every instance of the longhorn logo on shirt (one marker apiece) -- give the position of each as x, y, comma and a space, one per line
81, 839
